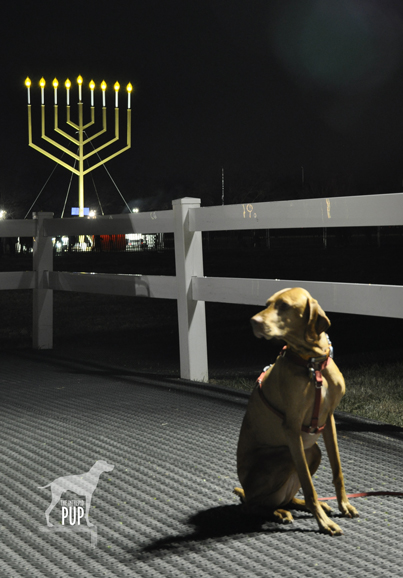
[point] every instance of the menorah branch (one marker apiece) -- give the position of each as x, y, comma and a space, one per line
129, 144
51, 141
116, 138
62, 132
101, 131
44, 152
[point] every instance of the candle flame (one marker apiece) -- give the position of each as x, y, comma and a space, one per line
27, 82
55, 83
67, 84
129, 87
92, 85
80, 80
103, 85
116, 86
42, 82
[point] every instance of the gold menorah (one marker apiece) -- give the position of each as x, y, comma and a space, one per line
80, 129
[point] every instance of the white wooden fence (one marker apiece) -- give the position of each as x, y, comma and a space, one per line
189, 287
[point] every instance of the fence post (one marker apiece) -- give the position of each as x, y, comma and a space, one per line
42, 334
191, 313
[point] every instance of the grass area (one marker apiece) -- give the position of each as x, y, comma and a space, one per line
372, 391
375, 392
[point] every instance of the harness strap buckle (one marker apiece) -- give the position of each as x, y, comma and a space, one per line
316, 430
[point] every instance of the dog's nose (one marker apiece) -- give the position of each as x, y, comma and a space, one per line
258, 326
257, 321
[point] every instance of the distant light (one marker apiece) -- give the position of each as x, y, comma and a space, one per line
135, 210
92, 214
3, 214
75, 211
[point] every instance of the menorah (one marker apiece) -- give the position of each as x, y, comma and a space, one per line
80, 129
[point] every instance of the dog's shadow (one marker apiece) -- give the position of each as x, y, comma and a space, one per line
219, 522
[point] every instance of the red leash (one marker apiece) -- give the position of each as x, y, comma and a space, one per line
365, 494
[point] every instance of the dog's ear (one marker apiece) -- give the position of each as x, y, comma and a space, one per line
317, 320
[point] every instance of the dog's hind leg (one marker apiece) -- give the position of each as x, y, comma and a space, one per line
55, 499
269, 483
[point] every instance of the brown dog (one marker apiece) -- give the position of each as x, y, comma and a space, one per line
287, 412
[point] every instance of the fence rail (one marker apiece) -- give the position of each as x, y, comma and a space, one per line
355, 298
358, 211
154, 222
162, 287
190, 287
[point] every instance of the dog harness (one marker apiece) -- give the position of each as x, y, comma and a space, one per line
315, 365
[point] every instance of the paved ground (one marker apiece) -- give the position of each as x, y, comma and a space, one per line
167, 509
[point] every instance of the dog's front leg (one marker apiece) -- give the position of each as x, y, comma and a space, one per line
332, 448
297, 450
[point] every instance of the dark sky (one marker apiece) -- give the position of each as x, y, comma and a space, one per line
258, 87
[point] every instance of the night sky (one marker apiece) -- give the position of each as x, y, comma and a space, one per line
259, 87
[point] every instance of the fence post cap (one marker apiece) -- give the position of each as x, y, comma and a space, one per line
186, 201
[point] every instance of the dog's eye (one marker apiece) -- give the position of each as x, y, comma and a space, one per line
283, 306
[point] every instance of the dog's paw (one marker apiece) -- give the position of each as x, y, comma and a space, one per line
283, 517
330, 528
348, 510
240, 493
326, 508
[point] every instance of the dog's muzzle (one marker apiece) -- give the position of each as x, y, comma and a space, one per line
259, 327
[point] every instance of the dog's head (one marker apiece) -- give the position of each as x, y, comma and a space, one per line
292, 315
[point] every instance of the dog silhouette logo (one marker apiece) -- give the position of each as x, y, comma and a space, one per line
81, 484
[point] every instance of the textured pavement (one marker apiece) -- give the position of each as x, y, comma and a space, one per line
167, 509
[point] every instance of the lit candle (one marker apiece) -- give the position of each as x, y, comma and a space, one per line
103, 88
67, 84
116, 87
92, 86
42, 85
55, 85
129, 92
28, 85
80, 83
